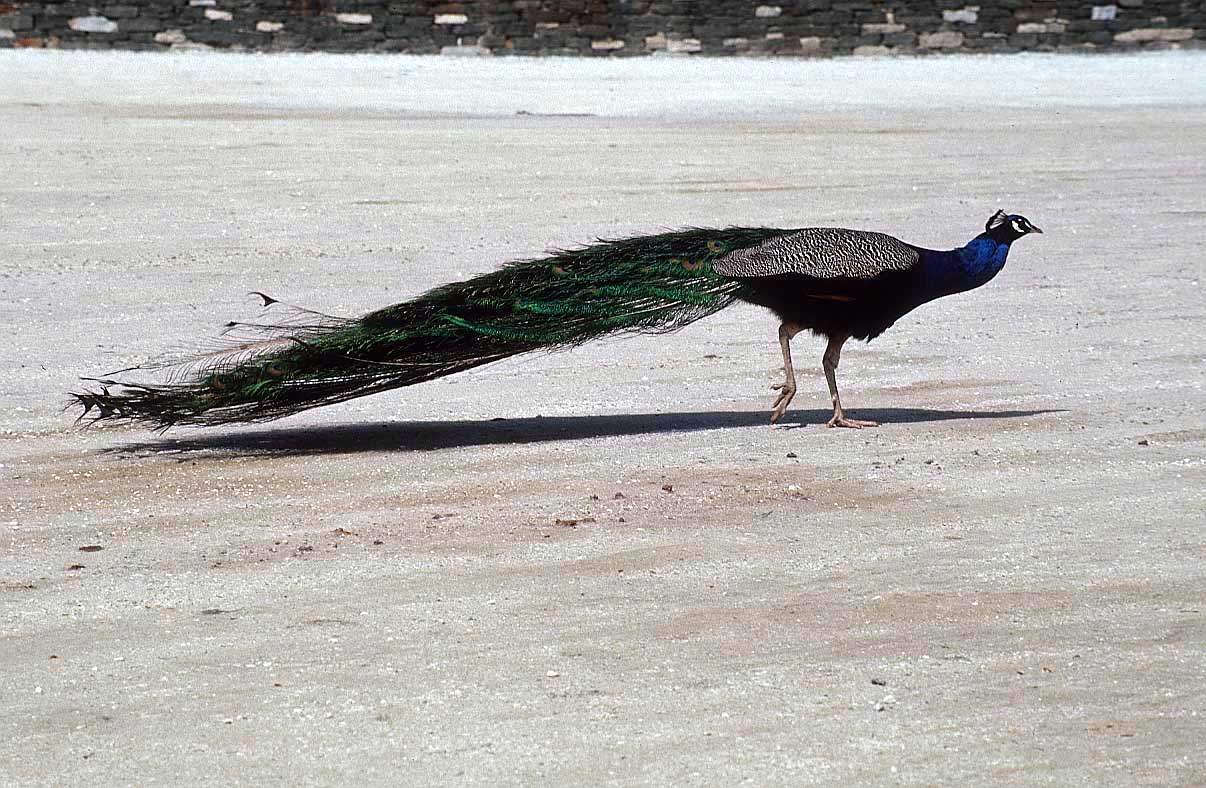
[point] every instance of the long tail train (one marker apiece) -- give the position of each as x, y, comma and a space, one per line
648, 284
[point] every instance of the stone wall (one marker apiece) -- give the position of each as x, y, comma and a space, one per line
607, 27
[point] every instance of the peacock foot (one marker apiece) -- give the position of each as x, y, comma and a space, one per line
786, 392
839, 420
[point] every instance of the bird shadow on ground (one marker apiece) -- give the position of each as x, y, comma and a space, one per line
431, 435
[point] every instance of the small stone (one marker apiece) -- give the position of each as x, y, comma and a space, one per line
668, 488
687, 45
767, 11
465, 51
1145, 35
879, 682
91, 548
1104, 13
810, 45
870, 50
1143, 442
121, 11
92, 24
943, 40
607, 45
265, 26
217, 15
968, 14
451, 19
791, 455
170, 37
354, 19
552, 674
12, 22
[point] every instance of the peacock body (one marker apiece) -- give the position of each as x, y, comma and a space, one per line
836, 282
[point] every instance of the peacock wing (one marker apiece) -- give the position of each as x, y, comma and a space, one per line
820, 253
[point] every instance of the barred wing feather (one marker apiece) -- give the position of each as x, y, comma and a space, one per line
821, 253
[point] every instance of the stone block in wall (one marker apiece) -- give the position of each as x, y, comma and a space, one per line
1034, 13
901, 40
966, 15
815, 45
120, 11
169, 37
458, 50
945, 39
684, 45
141, 24
1041, 27
215, 37
1152, 34
16, 22
92, 24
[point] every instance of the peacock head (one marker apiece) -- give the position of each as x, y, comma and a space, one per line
1008, 227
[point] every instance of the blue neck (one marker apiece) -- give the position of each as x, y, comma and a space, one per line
962, 269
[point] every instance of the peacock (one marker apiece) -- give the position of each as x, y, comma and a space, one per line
840, 284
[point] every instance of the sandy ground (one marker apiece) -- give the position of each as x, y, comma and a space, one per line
604, 566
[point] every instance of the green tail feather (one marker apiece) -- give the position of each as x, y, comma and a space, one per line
649, 284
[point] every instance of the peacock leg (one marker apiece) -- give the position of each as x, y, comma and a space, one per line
786, 389
830, 361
